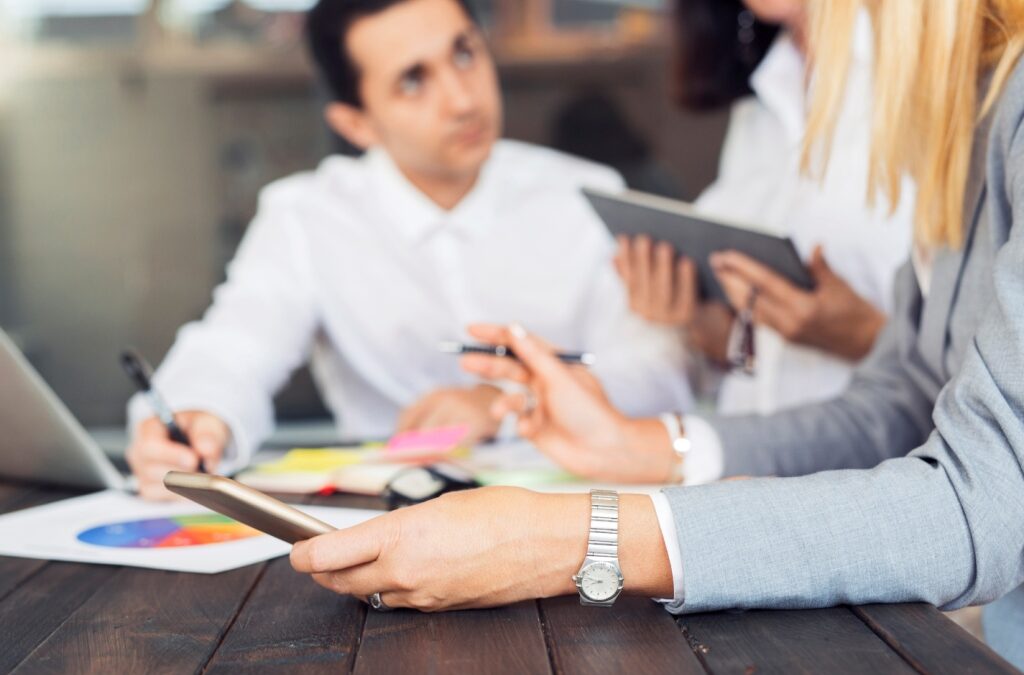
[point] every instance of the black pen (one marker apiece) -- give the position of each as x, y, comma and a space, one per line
140, 373
572, 358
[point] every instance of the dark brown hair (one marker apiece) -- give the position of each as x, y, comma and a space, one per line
712, 64
327, 27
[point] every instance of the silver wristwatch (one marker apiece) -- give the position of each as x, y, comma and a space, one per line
599, 580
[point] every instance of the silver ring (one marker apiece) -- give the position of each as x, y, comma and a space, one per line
378, 604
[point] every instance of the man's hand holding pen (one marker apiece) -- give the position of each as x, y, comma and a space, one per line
152, 453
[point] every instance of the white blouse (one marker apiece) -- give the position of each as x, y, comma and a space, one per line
760, 183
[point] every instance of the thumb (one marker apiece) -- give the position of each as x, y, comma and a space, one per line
209, 436
818, 266
539, 358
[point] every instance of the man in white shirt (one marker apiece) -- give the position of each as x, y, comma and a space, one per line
366, 264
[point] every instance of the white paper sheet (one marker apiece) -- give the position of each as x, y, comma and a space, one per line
52, 532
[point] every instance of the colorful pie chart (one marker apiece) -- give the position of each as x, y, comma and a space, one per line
172, 532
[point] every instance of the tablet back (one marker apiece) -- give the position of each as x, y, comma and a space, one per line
695, 236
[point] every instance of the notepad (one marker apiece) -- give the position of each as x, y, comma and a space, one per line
365, 469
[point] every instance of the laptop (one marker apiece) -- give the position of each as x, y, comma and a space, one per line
40, 440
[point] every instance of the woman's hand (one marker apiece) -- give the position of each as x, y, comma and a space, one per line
832, 317
570, 418
661, 289
664, 290
482, 548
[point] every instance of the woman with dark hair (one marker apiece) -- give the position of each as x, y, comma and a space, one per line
751, 56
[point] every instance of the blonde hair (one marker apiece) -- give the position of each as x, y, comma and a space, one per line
931, 58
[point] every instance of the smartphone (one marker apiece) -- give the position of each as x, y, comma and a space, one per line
246, 505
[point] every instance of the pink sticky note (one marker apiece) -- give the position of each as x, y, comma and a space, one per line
436, 441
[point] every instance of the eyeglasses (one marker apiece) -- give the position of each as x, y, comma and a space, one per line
741, 352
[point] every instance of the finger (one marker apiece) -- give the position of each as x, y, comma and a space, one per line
537, 356
489, 333
529, 426
684, 297
340, 550
495, 368
510, 404
819, 266
151, 428
163, 453
156, 492
661, 279
443, 415
209, 436
361, 581
641, 260
757, 275
780, 317
621, 260
737, 288
155, 473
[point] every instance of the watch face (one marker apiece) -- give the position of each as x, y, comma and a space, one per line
599, 581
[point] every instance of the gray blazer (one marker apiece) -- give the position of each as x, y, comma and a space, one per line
944, 524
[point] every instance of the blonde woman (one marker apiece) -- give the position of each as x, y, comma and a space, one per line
944, 524
751, 55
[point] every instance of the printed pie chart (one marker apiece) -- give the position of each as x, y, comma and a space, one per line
172, 532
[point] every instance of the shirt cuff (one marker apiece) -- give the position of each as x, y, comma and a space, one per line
675, 558
705, 462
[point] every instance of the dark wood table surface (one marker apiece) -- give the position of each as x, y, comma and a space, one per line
58, 617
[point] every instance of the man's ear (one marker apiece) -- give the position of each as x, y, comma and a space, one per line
352, 123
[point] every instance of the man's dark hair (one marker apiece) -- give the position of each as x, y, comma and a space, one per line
327, 26
712, 63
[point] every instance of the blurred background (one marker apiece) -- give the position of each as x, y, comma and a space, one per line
135, 136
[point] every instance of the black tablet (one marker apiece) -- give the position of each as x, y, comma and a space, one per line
696, 236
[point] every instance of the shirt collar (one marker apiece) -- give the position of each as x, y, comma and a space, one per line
779, 80
414, 216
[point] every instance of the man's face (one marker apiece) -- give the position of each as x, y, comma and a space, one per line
428, 87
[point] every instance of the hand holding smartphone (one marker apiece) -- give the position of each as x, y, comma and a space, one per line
246, 505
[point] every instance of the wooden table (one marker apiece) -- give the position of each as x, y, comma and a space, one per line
72, 618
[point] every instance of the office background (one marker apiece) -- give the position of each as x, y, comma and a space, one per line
135, 136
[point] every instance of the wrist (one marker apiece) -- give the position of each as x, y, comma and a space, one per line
648, 441
563, 522
563, 527
643, 557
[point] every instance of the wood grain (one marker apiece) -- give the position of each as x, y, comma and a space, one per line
289, 623
37, 608
15, 571
931, 642
804, 641
636, 635
68, 617
493, 641
145, 621
11, 494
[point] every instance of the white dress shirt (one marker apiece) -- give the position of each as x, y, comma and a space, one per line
353, 266
760, 183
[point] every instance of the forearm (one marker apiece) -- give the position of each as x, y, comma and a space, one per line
893, 534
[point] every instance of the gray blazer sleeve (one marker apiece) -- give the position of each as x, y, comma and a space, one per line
943, 525
884, 413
